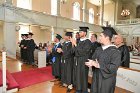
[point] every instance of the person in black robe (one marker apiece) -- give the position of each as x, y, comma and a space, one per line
30, 49
25, 48
21, 45
106, 61
125, 55
56, 58
77, 36
95, 44
82, 53
67, 62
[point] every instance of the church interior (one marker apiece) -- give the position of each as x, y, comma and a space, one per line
47, 18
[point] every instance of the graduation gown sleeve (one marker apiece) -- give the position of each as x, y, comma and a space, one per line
110, 68
82, 50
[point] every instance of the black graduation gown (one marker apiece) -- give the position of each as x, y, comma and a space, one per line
67, 63
82, 53
125, 58
104, 78
25, 51
93, 48
56, 66
30, 51
22, 43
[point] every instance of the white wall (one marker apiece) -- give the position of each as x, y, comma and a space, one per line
41, 35
109, 12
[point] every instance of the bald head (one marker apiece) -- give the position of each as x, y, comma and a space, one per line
118, 39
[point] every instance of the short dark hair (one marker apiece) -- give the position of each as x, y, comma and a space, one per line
77, 33
95, 35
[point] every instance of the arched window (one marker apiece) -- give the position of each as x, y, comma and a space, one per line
91, 15
76, 11
26, 4
54, 7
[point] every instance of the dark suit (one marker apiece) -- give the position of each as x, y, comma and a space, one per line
125, 56
93, 48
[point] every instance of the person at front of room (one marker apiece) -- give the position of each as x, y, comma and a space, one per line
106, 61
30, 49
21, 45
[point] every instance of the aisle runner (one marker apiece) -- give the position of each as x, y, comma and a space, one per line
30, 77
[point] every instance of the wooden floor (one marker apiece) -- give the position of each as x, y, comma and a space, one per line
45, 87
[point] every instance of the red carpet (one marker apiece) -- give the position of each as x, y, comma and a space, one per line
30, 77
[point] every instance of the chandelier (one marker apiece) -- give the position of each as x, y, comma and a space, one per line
125, 12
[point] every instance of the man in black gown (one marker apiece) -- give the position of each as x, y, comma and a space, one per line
95, 44
21, 45
67, 62
125, 55
77, 36
106, 61
82, 53
56, 58
30, 49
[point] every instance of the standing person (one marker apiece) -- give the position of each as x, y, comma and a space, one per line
77, 36
67, 62
125, 55
82, 53
106, 61
21, 45
94, 42
25, 48
30, 49
56, 58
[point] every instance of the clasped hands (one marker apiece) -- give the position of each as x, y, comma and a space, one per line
59, 50
91, 63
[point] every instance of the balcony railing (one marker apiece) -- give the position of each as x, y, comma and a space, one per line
16, 15
128, 21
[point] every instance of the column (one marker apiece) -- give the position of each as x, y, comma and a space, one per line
58, 7
84, 10
102, 12
9, 34
116, 12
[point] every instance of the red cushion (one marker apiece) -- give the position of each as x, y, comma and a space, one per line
11, 81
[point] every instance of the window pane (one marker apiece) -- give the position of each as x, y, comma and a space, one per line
54, 7
76, 11
91, 15
26, 4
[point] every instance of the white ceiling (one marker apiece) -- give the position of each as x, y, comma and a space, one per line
98, 2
